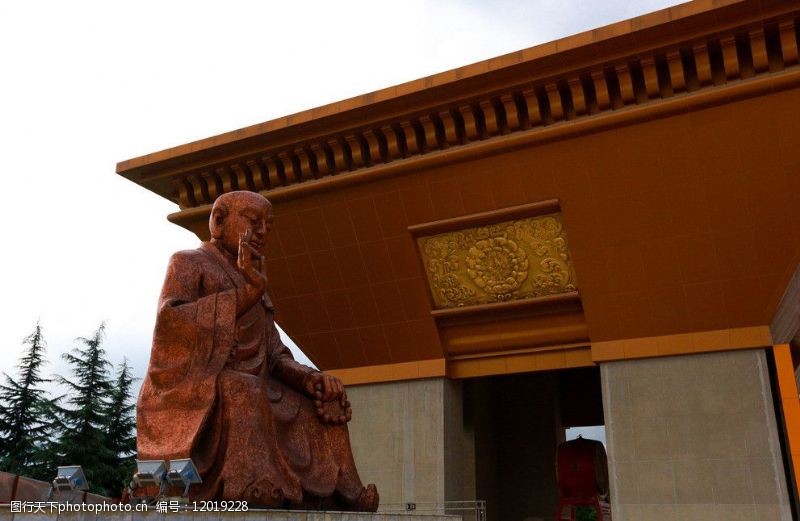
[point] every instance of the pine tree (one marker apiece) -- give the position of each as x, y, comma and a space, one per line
122, 424
85, 419
26, 419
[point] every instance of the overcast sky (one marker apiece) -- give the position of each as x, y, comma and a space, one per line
84, 85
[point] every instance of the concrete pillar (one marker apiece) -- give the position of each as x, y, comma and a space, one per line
694, 438
409, 438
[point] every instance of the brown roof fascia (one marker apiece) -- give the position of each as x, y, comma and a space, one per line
681, 23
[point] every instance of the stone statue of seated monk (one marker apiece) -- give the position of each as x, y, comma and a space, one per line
223, 390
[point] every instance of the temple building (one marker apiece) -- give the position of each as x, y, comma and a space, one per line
603, 230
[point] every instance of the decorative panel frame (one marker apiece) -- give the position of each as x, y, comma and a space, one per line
528, 319
488, 258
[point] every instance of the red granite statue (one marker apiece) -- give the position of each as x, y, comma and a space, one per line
224, 390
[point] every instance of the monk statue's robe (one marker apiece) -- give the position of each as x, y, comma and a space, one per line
227, 393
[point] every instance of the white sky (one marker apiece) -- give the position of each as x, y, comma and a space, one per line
84, 85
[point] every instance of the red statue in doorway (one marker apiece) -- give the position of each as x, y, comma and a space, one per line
582, 473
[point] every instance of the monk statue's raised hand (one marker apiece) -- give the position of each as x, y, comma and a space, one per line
251, 264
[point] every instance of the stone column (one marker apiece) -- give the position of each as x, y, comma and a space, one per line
694, 438
408, 438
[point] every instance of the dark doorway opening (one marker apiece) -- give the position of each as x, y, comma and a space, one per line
518, 422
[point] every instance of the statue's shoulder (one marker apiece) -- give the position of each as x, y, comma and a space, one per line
188, 259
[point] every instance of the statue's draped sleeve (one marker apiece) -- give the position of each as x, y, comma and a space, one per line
193, 336
282, 364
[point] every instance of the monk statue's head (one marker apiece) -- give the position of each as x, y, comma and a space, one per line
234, 213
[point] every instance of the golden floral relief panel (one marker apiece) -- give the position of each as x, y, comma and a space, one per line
512, 260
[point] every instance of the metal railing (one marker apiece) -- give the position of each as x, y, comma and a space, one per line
469, 510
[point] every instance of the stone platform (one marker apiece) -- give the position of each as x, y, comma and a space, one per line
252, 515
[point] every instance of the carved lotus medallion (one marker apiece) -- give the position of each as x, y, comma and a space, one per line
497, 265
